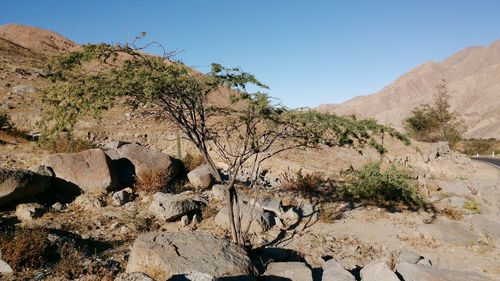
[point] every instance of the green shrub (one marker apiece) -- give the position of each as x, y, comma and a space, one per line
389, 186
472, 206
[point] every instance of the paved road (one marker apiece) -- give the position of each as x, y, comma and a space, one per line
490, 160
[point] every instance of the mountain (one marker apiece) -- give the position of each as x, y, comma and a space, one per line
473, 76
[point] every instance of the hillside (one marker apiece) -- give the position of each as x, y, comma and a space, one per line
473, 76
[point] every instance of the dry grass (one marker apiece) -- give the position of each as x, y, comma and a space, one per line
70, 263
209, 211
452, 213
25, 248
152, 181
472, 206
329, 213
193, 161
64, 144
302, 183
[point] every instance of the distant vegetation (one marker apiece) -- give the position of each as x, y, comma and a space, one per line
478, 146
435, 122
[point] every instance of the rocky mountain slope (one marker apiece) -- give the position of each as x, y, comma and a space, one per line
473, 77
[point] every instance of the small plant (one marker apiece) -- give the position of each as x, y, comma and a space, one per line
452, 213
152, 181
70, 262
390, 186
472, 206
328, 213
192, 161
66, 144
24, 248
5, 122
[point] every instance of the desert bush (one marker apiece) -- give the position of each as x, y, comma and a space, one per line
66, 144
24, 248
151, 181
329, 213
302, 183
192, 161
5, 122
435, 122
70, 262
452, 213
391, 185
472, 206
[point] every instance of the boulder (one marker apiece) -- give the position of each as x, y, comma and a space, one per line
408, 256
268, 204
201, 177
376, 271
290, 217
416, 272
144, 159
294, 271
18, 184
333, 271
437, 149
89, 170
170, 207
180, 252
219, 192
253, 219
123, 196
30, 211
135, 276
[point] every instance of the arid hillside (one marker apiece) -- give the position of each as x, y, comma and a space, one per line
473, 77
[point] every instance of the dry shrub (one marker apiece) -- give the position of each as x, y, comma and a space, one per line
472, 206
152, 180
452, 213
209, 211
24, 248
302, 183
70, 262
193, 161
65, 144
329, 213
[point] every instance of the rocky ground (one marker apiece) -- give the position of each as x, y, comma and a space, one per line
97, 226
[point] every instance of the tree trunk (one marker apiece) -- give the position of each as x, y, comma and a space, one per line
208, 159
233, 212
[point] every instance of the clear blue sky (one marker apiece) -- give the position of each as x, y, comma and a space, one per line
308, 52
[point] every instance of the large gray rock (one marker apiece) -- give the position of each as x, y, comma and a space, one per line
268, 204
437, 149
170, 207
192, 276
17, 184
144, 159
177, 253
333, 271
201, 177
416, 272
253, 219
219, 192
123, 196
448, 231
377, 271
408, 256
294, 271
89, 170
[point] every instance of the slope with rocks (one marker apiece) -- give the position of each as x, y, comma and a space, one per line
473, 77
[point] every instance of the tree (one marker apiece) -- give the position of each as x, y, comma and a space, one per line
436, 122
244, 127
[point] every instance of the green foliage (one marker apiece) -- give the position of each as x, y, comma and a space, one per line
472, 206
436, 122
391, 186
